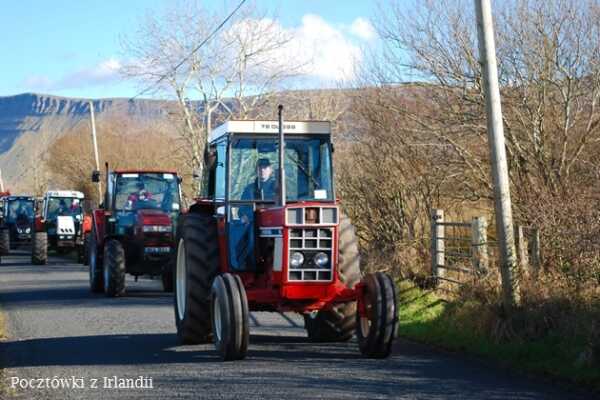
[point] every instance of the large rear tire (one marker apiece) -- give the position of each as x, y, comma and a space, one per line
39, 251
377, 329
95, 264
229, 317
196, 267
4, 242
114, 269
338, 323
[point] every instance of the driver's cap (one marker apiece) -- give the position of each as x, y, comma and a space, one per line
263, 162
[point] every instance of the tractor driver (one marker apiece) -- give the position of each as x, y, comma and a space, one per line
75, 207
62, 207
263, 187
141, 195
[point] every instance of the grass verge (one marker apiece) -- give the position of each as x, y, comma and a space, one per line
427, 318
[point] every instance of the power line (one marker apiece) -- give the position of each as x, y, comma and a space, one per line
209, 37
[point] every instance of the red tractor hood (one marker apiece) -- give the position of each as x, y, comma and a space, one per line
153, 217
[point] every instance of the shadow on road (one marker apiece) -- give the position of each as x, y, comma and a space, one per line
159, 348
77, 296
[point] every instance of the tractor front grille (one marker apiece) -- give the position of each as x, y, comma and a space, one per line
310, 242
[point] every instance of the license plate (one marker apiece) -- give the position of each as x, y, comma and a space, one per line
157, 250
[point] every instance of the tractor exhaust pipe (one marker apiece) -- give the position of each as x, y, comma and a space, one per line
281, 158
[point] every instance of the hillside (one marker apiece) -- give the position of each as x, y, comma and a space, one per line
30, 122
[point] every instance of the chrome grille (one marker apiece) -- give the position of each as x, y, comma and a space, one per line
309, 242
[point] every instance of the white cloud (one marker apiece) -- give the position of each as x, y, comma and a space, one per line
363, 29
104, 72
323, 51
333, 55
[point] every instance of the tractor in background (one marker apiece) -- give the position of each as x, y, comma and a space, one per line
16, 222
268, 234
59, 225
133, 229
4, 234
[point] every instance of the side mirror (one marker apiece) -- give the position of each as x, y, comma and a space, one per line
96, 176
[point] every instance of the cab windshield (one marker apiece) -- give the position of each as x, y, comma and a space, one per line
155, 191
63, 206
255, 169
19, 209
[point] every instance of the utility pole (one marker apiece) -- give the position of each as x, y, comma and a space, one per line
504, 224
1, 181
95, 143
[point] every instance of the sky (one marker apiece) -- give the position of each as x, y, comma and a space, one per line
73, 48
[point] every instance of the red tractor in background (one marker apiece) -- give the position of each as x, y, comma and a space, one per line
268, 235
133, 230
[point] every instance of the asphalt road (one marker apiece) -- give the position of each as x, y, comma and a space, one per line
58, 329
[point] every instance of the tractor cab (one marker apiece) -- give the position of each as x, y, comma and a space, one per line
18, 218
139, 197
58, 225
245, 185
62, 214
133, 230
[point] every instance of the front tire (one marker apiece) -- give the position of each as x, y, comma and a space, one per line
4, 242
114, 269
338, 323
196, 267
95, 263
39, 253
377, 328
229, 317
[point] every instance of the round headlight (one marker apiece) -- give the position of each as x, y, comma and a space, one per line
28, 230
321, 259
296, 259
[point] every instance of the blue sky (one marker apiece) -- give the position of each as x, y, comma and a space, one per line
71, 48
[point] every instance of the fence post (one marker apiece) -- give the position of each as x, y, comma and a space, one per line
536, 259
437, 243
479, 250
522, 252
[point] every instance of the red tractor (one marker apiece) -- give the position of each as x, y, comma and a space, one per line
133, 230
245, 246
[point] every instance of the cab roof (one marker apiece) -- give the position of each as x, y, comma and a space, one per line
65, 193
271, 127
143, 171
22, 197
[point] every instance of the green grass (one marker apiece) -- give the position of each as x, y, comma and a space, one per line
424, 317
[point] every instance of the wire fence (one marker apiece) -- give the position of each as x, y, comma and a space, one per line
462, 251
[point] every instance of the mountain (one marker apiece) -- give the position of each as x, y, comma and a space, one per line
30, 122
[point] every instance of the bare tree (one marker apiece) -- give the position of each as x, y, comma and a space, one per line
549, 64
121, 144
232, 74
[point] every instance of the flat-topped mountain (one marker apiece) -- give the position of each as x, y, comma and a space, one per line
30, 122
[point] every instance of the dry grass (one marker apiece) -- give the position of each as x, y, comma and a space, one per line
545, 339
